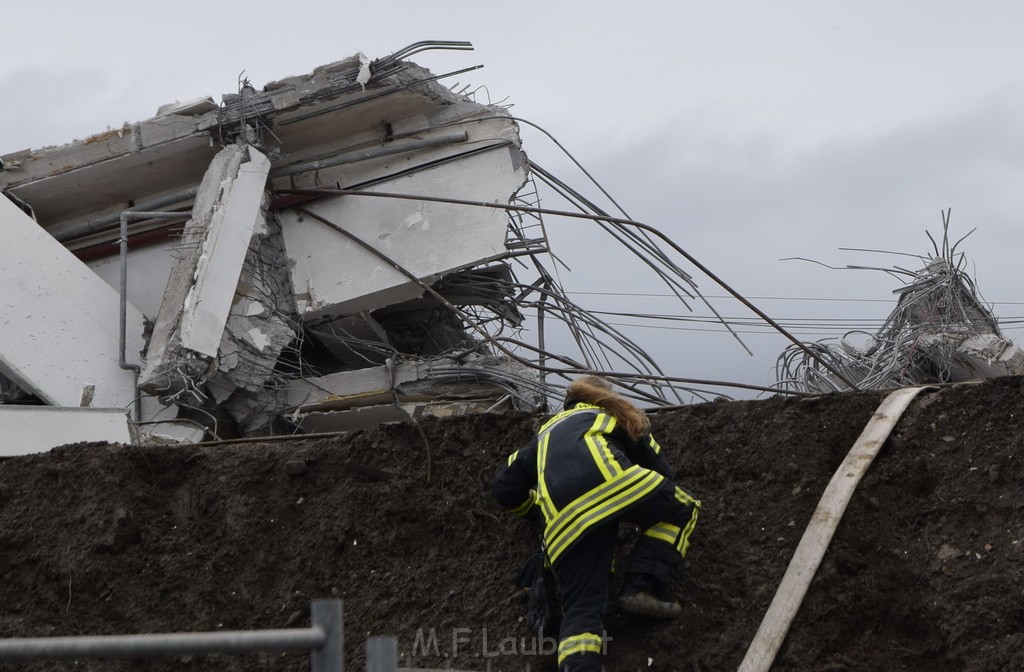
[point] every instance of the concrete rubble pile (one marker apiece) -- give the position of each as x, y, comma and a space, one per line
940, 331
255, 301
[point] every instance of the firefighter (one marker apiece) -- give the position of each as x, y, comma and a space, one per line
589, 468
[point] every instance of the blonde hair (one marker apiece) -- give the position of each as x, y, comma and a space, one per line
598, 391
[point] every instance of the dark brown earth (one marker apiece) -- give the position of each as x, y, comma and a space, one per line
926, 571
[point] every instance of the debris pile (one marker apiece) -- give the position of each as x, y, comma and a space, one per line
941, 331
337, 248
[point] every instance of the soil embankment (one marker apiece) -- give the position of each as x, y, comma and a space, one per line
926, 571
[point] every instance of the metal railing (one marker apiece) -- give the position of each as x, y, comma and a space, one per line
324, 639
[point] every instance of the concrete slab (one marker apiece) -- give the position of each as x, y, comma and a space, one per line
36, 429
59, 321
427, 239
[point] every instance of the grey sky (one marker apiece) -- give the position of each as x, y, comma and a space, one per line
748, 131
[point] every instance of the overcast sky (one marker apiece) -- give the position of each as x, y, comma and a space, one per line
747, 131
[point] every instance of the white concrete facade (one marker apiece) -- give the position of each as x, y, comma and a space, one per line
335, 276
148, 270
59, 321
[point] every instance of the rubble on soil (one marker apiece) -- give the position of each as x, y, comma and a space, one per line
926, 569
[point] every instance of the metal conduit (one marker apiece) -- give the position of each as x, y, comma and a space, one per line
123, 314
107, 222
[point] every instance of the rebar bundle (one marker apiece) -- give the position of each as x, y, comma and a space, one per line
938, 311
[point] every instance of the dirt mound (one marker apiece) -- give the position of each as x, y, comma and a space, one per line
926, 571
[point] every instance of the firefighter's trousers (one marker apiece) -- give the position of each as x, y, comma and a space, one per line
668, 516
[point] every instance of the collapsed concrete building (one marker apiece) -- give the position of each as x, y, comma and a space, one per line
225, 269
940, 331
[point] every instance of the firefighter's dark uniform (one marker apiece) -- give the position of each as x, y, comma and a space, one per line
585, 475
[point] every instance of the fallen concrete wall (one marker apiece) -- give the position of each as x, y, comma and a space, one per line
59, 335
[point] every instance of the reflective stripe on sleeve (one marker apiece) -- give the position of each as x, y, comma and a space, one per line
523, 508
546, 506
654, 445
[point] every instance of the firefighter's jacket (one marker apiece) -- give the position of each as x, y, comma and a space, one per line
580, 470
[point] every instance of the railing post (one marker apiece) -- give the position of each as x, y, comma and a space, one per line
381, 654
327, 614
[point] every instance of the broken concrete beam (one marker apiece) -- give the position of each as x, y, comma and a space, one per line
224, 249
59, 335
997, 352
261, 322
988, 356
964, 357
260, 326
360, 387
203, 281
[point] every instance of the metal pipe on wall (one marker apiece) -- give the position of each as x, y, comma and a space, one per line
123, 308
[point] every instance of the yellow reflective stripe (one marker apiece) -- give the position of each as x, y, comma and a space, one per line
622, 502
546, 506
549, 425
593, 497
512, 458
684, 538
654, 445
666, 532
554, 420
592, 513
597, 514
531, 499
685, 498
598, 445
588, 642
